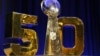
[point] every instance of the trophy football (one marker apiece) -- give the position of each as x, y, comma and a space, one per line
27, 40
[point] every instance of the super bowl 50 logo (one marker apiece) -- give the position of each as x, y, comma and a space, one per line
22, 39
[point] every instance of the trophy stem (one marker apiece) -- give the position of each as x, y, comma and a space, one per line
53, 43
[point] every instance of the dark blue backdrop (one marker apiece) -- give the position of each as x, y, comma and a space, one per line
87, 10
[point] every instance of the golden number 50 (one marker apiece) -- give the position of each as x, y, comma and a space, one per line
30, 35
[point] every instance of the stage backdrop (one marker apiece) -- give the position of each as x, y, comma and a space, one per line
87, 10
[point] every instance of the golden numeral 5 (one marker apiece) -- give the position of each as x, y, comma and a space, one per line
28, 36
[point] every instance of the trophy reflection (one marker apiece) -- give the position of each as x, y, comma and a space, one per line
23, 40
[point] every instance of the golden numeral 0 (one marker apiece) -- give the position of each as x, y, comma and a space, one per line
79, 35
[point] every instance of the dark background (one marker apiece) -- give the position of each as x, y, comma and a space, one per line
87, 10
